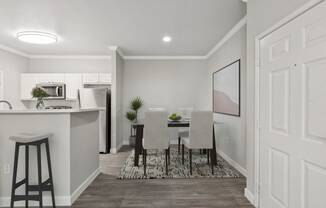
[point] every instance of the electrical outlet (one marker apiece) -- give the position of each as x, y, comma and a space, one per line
6, 169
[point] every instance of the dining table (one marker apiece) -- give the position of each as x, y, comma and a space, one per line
139, 126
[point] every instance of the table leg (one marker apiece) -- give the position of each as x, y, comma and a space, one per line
138, 144
213, 154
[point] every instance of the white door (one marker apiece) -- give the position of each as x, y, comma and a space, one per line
293, 113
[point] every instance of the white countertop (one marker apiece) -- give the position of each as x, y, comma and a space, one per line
49, 111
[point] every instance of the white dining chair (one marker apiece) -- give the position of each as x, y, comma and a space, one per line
200, 135
185, 113
156, 135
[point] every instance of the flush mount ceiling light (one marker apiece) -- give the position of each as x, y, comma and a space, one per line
36, 37
167, 39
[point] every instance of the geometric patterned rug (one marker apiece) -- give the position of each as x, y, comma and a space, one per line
156, 166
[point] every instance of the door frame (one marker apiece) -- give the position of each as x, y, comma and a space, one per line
306, 7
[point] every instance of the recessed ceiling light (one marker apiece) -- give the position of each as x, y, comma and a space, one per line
36, 37
167, 39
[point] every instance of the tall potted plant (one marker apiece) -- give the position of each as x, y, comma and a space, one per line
39, 94
132, 116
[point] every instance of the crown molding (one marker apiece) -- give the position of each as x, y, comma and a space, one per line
228, 36
164, 57
89, 57
14, 51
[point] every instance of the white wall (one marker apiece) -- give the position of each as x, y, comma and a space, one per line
12, 65
261, 15
231, 135
116, 101
73, 65
162, 83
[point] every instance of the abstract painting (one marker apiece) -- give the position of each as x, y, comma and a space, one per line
226, 90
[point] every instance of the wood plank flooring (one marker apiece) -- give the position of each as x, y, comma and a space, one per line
106, 191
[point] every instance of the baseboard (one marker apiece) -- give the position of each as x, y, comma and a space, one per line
236, 165
59, 200
83, 186
249, 196
115, 150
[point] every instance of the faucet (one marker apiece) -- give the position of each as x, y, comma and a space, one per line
4, 101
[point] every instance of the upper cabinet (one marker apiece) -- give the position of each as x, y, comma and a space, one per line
90, 78
73, 81
97, 78
27, 83
105, 78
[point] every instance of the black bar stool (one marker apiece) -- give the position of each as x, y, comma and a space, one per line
28, 140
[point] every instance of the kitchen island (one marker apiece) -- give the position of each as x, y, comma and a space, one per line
73, 148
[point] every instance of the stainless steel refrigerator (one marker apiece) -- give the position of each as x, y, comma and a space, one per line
94, 96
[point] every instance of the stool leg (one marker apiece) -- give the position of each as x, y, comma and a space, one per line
14, 176
26, 173
50, 171
39, 168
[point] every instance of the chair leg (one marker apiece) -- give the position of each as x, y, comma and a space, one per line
207, 156
26, 173
179, 142
190, 161
183, 154
39, 170
47, 148
14, 178
169, 155
212, 164
145, 155
166, 162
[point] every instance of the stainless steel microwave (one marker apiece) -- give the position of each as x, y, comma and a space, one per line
56, 91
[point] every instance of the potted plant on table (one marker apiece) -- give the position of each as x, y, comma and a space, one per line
132, 116
39, 94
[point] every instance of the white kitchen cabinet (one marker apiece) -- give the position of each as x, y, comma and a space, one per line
73, 83
28, 82
105, 78
97, 78
50, 77
90, 78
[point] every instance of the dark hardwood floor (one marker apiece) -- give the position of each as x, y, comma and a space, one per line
106, 191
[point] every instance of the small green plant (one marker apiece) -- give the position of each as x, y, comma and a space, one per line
175, 117
39, 94
135, 105
131, 116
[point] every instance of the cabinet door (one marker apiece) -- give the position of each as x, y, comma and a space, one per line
90, 78
105, 78
73, 83
50, 77
27, 83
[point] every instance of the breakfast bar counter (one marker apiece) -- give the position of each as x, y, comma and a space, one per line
73, 148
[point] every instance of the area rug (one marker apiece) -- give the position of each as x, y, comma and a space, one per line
156, 167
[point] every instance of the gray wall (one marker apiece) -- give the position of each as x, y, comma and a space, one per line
116, 101
231, 137
163, 83
73, 65
261, 15
12, 65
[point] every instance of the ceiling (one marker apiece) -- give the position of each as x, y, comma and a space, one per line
89, 27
